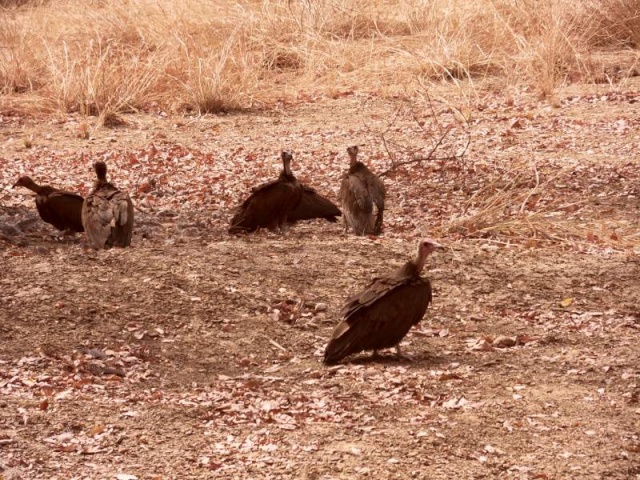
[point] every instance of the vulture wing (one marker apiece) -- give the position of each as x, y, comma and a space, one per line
107, 216
264, 186
267, 207
356, 204
377, 190
122, 227
314, 205
97, 216
354, 194
379, 317
378, 194
61, 209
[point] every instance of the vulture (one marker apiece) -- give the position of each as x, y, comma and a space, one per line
107, 213
314, 205
271, 204
61, 209
360, 190
383, 313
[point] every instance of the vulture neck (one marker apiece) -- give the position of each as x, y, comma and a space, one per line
409, 269
420, 260
33, 186
101, 172
353, 160
286, 170
355, 167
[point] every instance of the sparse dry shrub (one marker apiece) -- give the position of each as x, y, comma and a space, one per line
282, 58
217, 81
104, 57
21, 3
547, 37
358, 19
615, 23
553, 46
18, 72
100, 78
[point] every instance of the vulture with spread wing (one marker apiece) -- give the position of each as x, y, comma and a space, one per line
360, 190
59, 208
381, 315
270, 205
107, 213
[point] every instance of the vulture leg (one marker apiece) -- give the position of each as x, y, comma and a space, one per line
377, 229
361, 222
64, 234
403, 356
284, 228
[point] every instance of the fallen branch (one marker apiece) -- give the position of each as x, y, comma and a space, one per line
277, 345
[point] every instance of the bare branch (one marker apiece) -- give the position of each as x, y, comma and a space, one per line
429, 126
420, 159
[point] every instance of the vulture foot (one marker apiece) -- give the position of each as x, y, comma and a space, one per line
404, 356
67, 233
284, 228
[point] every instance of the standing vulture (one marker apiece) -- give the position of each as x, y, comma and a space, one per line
314, 205
381, 315
360, 190
61, 209
107, 213
270, 204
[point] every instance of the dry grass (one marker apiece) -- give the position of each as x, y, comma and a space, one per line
523, 205
105, 57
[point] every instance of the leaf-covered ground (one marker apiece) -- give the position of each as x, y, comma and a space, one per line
194, 354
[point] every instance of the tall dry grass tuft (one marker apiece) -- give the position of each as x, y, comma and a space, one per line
616, 23
523, 205
108, 56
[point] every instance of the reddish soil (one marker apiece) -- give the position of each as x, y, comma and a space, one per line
194, 354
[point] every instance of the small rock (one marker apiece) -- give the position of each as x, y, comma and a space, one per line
505, 342
320, 307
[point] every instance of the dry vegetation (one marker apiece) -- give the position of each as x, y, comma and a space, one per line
102, 57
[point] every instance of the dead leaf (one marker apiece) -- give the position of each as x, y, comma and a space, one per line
566, 302
97, 429
455, 403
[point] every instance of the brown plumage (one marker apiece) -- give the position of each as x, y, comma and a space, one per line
270, 204
59, 208
360, 190
313, 205
381, 315
107, 213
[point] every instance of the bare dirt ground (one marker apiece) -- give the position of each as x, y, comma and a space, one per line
194, 354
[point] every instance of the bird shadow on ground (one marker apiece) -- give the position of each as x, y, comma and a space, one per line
392, 359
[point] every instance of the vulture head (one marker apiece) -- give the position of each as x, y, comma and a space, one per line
426, 247
101, 171
353, 154
24, 181
286, 162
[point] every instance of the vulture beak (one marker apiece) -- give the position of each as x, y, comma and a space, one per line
434, 244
